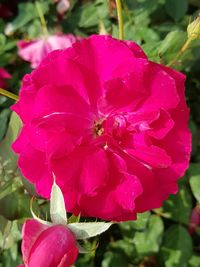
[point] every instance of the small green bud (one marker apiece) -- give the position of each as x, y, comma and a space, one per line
193, 29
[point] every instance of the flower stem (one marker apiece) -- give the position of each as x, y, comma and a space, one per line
180, 53
8, 94
42, 19
120, 19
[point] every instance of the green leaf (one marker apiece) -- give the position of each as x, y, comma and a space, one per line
151, 49
142, 6
37, 218
172, 42
57, 206
2, 42
176, 248
4, 117
148, 241
128, 228
87, 230
102, 8
176, 8
194, 130
114, 260
194, 180
178, 207
74, 218
88, 16
194, 261
6, 153
11, 257
10, 235
26, 13
15, 205
125, 247
9, 186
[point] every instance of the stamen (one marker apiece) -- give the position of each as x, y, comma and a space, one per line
98, 128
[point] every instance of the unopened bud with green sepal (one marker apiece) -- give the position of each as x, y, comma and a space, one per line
193, 29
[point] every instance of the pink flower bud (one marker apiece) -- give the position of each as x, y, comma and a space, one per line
49, 246
63, 6
194, 220
3, 76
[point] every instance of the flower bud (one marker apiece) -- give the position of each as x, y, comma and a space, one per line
193, 29
63, 6
48, 246
194, 222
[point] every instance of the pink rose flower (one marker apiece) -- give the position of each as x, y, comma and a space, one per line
109, 123
49, 246
194, 220
4, 75
36, 50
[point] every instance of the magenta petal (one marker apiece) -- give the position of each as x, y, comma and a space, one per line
51, 246
30, 232
151, 155
69, 258
25, 106
117, 54
48, 102
160, 127
125, 194
136, 49
95, 172
162, 87
76, 76
29, 156
120, 198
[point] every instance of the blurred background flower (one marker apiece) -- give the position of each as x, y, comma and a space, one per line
36, 50
4, 75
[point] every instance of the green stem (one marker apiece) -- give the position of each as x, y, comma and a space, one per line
42, 19
180, 53
120, 19
8, 94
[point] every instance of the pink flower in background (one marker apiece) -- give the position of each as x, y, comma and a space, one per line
194, 220
36, 50
49, 246
109, 123
4, 75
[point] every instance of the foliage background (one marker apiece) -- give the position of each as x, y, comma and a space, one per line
160, 237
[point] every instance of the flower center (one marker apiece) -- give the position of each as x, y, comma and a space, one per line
114, 125
98, 128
